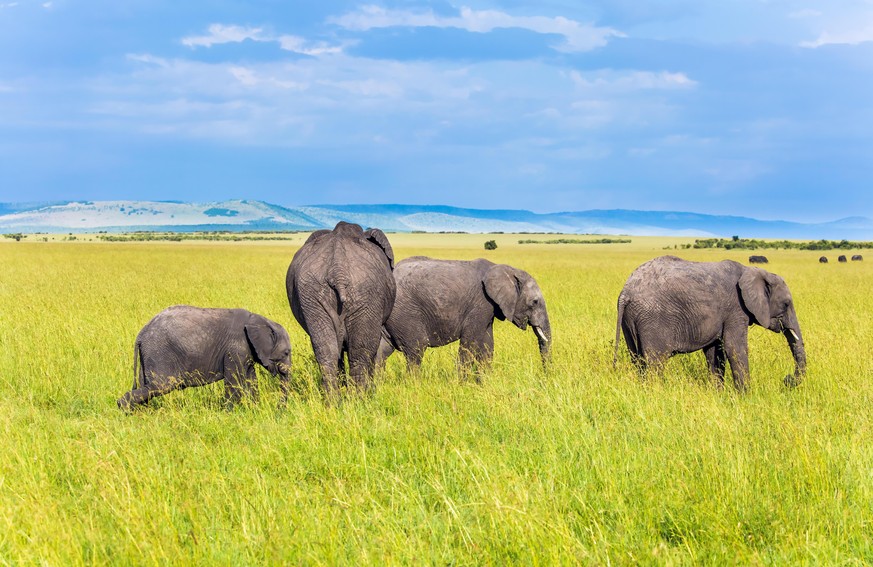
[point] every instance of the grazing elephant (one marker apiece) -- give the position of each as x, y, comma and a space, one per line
841, 258
823, 260
184, 346
758, 260
857, 258
442, 301
341, 290
670, 306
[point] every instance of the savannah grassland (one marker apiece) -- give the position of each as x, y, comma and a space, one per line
577, 464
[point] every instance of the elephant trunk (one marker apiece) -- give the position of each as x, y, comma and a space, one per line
792, 333
284, 382
544, 339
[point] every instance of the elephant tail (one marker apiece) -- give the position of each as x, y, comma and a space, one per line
621, 304
336, 315
138, 371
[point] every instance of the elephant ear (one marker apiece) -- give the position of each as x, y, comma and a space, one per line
378, 238
755, 294
501, 285
263, 339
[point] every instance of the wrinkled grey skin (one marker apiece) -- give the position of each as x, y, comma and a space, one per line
670, 306
341, 290
442, 301
184, 346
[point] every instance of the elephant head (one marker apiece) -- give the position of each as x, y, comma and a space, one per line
271, 347
767, 298
521, 301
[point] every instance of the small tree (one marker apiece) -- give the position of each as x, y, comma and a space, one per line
490, 245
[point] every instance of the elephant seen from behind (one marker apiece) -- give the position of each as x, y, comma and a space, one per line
341, 289
442, 301
670, 306
184, 346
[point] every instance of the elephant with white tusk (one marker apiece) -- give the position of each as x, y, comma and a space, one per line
670, 306
442, 301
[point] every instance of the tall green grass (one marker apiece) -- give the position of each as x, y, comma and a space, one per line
579, 463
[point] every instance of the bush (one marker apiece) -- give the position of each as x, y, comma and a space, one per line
490, 245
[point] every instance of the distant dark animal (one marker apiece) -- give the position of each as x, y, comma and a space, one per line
670, 306
341, 289
823, 260
442, 301
758, 260
184, 346
841, 258
857, 258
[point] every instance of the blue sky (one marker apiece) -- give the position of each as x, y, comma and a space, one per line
761, 108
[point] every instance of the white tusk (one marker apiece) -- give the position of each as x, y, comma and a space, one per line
793, 334
541, 334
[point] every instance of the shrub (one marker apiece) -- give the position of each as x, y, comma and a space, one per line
490, 245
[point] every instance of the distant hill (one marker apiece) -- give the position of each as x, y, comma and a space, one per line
243, 215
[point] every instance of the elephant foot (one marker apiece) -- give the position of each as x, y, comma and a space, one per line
791, 381
125, 404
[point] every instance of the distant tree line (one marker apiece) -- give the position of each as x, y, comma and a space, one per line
737, 243
180, 236
577, 241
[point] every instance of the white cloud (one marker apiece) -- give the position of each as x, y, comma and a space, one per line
250, 78
48, 5
847, 37
300, 45
149, 59
577, 36
219, 34
633, 80
9, 5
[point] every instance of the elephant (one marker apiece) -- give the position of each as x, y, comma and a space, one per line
758, 260
823, 260
670, 306
857, 258
341, 290
185, 346
841, 258
442, 301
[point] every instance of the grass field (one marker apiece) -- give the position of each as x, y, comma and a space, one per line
579, 464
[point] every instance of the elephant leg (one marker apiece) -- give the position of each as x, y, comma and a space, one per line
716, 360
385, 350
250, 385
476, 352
633, 347
156, 386
413, 358
363, 348
236, 378
736, 347
329, 356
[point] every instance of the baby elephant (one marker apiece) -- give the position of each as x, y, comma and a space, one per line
185, 346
